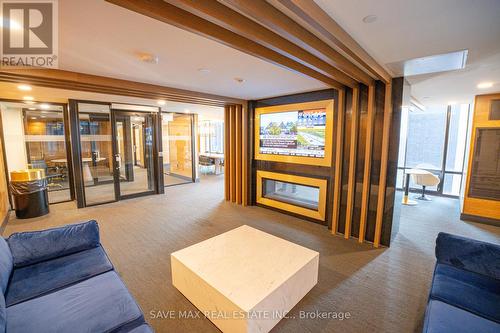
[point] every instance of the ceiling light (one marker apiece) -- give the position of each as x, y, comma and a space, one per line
28, 98
204, 70
32, 109
370, 18
44, 106
24, 87
239, 79
161, 102
485, 85
34, 118
149, 58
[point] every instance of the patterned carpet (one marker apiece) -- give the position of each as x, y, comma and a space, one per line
383, 290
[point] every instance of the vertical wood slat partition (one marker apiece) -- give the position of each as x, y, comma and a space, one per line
366, 134
227, 155
352, 161
368, 160
338, 161
383, 164
235, 161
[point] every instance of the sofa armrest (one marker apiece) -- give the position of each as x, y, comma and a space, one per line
32, 247
468, 254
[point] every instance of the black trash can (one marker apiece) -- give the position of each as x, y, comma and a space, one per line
29, 189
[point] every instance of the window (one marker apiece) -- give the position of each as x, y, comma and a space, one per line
212, 136
434, 139
425, 138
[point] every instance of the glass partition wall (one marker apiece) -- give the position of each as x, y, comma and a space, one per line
178, 148
435, 140
116, 152
35, 136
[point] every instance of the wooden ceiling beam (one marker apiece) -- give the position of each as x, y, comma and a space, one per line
173, 15
275, 20
60, 79
232, 20
327, 27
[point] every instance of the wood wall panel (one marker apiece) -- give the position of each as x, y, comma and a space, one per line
298, 169
366, 142
481, 197
339, 150
4, 192
376, 156
388, 220
227, 154
365, 196
346, 148
360, 160
235, 181
353, 146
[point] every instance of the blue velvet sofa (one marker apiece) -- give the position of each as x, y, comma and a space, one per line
61, 280
465, 291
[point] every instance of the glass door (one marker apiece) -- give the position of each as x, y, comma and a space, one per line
134, 153
96, 152
177, 140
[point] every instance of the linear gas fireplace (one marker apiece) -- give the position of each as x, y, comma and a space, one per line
296, 194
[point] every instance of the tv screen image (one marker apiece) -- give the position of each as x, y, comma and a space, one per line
293, 133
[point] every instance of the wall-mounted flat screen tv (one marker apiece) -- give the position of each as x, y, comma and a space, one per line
295, 133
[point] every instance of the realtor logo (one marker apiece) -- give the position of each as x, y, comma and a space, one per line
29, 33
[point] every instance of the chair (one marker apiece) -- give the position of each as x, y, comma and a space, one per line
426, 179
51, 173
205, 162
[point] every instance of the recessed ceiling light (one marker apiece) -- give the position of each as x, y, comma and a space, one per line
32, 109
161, 102
239, 79
485, 85
149, 58
44, 106
24, 87
204, 70
370, 18
28, 98
34, 118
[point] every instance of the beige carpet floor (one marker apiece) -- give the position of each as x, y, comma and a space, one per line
384, 290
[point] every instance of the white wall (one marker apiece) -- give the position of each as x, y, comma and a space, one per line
13, 131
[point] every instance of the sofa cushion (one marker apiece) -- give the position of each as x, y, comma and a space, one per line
470, 291
31, 247
6, 264
98, 304
468, 254
38, 279
445, 318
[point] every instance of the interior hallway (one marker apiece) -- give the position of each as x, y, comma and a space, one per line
384, 290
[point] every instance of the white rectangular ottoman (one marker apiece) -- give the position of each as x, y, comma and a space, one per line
245, 280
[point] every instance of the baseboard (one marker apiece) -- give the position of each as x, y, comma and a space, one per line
5, 220
480, 219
